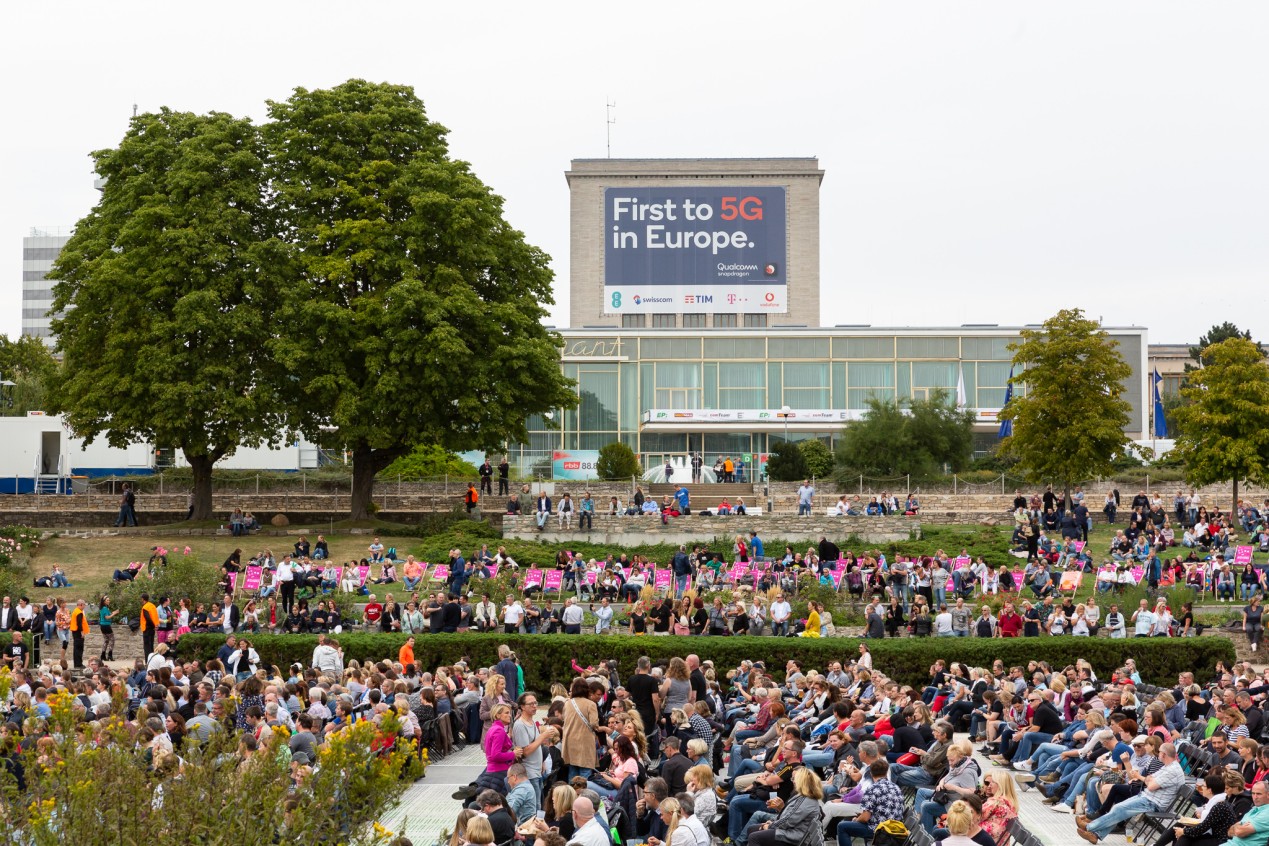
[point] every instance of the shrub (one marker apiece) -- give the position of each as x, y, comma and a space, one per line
548, 658
818, 457
617, 461
430, 462
786, 463
182, 576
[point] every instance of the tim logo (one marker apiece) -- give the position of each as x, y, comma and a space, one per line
770, 269
689, 299
572, 465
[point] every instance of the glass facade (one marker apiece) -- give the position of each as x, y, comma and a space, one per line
622, 375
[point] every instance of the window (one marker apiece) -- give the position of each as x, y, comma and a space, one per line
863, 348
672, 348
693, 321
678, 385
868, 379
755, 320
664, 321
598, 394
986, 349
724, 321
929, 348
732, 348
741, 385
806, 385
798, 347
633, 321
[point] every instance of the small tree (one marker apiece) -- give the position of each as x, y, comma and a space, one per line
890, 441
787, 463
818, 457
617, 461
1223, 430
1070, 424
429, 461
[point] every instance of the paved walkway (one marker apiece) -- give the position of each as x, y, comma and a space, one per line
427, 806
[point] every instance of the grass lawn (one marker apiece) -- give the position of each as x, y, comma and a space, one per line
90, 562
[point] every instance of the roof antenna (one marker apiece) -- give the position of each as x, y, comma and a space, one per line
611, 121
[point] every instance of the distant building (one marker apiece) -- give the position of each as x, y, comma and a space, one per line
39, 250
1170, 361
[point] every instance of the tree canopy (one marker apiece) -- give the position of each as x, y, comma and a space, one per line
787, 463
1218, 332
1070, 423
167, 298
30, 366
412, 309
1223, 429
894, 440
617, 461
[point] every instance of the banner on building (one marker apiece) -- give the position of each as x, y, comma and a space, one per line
698, 249
575, 464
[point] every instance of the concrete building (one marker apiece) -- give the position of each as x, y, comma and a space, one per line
695, 243
39, 250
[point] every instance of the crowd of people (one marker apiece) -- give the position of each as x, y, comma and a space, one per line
688, 753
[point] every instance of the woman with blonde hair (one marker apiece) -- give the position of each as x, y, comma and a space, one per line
699, 781
559, 810
799, 819
465, 816
672, 815
1001, 805
961, 822
479, 832
495, 694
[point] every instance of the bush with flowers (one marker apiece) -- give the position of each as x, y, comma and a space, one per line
17, 543
95, 783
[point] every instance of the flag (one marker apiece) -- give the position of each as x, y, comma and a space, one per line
1006, 426
960, 387
1160, 422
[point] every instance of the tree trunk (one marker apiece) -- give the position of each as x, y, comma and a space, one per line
1233, 512
367, 463
201, 466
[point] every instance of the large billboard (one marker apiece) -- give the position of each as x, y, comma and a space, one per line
701, 249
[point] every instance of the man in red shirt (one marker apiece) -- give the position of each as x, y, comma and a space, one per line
1009, 624
373, 612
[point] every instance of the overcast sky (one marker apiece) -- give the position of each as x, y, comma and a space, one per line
986, 162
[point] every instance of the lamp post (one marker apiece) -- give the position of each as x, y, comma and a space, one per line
785, 412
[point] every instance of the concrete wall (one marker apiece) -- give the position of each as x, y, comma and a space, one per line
633, 531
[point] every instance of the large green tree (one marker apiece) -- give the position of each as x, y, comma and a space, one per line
1223, 430
920, 437
1070, 423
412, 310
168, 298
29, 364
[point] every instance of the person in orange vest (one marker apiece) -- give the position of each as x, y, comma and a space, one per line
79, 630
729, 470
149, 624
472, 498
406, 653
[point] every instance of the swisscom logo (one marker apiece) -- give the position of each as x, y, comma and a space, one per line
640, 300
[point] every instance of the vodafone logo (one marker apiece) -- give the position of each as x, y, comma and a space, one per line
770, 297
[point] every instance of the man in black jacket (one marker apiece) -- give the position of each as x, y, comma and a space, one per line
675, 764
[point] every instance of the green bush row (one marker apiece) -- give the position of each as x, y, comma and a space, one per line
548, 658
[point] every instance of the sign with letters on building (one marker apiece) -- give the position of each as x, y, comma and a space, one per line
700, 249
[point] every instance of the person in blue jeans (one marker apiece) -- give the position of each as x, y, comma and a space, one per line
1157, 795
883, 801
777, 783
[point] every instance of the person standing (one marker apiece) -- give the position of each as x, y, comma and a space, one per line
149, 624
286, 583
122, 519
486, 477
806, 494
472, 498
79, 631
697, 463
504, 477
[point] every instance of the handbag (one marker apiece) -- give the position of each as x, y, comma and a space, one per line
908, 759
942, 797
890, 833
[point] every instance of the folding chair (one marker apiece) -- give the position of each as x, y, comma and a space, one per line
1152, 824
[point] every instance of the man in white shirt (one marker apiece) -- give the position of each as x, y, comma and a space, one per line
589, 830
780, 611
687, 807
1143, 619
603, 616
512, 614
572, 616
943, 623
326, 658
286, 583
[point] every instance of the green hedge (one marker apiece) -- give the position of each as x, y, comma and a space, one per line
547, 658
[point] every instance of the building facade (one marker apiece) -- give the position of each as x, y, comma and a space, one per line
669, 392
39, 250
694, 243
